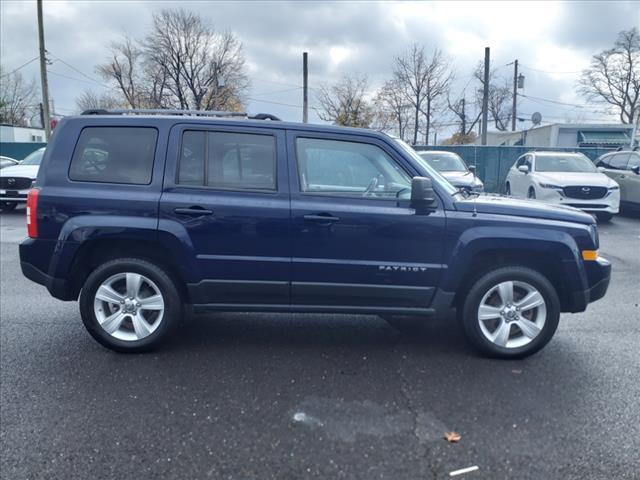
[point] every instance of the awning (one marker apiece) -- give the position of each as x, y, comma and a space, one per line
613, 137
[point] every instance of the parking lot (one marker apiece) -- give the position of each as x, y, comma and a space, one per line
318, 396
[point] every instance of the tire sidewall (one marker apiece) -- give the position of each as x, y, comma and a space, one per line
171, 297
481, 287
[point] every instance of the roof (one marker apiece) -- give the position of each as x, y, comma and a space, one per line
276, 124
552, 153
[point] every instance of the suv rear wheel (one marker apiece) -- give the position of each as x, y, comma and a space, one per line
511, 312
130, 305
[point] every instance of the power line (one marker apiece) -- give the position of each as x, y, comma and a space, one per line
20, 67
531, 97
75, 78
549, 71
79, 71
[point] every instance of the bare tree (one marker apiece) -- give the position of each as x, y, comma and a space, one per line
204, 69
182, 62
614, 76
344, 103
460, 108
423, 80
125, 67
392, 111
90, 100
500, 97
18, 99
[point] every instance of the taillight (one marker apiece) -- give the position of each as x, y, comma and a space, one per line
32, 212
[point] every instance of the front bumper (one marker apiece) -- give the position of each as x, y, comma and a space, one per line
598, 275
610, 203
13, 195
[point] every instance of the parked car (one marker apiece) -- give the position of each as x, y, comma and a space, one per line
16, 181
7, 162
569, 179
142, 216
624, 168
453, 168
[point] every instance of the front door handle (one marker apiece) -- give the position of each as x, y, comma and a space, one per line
321, 218
193, 211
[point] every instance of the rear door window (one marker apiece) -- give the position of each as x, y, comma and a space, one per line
228, 160
114, 155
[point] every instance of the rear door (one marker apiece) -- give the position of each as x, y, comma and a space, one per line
355, 245
630, 181
226, 194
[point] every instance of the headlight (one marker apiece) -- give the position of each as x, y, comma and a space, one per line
615, 187
551, 185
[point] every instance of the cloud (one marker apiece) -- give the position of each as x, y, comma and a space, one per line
341, 38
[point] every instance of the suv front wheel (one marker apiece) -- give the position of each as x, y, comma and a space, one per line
511, 312
130, 305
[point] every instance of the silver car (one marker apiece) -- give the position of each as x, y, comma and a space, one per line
624, 168
453, 168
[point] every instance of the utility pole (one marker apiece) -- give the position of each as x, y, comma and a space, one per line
515, 96
464, 118
485, 96
43, 75
305, 87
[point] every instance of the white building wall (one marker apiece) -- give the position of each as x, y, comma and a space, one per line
12, 134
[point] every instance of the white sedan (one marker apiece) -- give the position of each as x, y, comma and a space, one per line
16, 181
565, 179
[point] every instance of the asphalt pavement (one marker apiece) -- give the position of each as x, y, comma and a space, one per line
275, 396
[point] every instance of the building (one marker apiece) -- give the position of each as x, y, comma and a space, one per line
12, 134
566, 135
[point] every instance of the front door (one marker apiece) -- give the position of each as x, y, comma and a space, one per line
356, 245
226, 191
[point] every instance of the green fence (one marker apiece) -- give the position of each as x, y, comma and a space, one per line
493, 163
19, 150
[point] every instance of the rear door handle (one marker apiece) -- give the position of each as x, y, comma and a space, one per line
321, 218
193, 211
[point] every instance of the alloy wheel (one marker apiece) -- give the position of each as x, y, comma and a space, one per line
128, 306
512, 314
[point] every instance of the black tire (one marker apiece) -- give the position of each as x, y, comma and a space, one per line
604, 217
173, 306
531, 194
8, 206
469, 311
507, 189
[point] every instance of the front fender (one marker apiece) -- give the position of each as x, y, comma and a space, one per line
476, 241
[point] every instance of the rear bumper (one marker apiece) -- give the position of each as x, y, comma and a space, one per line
57, 287
35, 256
598, 277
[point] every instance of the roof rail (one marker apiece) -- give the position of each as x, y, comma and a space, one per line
162, 111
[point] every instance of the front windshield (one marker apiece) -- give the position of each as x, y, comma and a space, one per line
34, 159
432, 172
444, 161
564, 163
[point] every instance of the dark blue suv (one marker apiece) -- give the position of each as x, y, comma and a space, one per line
141, 216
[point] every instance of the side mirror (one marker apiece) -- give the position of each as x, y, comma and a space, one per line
472, 169
524, 168
636, 169
600, 169
422, 194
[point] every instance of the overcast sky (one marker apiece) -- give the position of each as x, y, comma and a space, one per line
552, 40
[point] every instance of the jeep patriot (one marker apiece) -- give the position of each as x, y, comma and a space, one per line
141, 215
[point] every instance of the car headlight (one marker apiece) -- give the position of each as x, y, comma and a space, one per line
551, 185
615, 187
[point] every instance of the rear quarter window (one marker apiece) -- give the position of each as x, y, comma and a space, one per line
114, 155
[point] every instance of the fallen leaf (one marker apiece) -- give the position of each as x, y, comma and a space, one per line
452, 437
